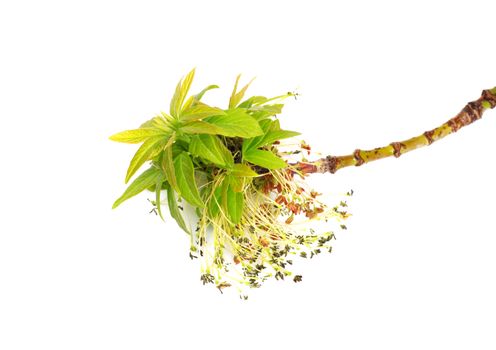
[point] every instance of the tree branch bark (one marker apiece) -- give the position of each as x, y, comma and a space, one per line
470, 113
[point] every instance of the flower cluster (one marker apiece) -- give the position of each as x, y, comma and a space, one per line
275, 228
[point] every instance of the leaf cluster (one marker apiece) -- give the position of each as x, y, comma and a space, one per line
204, 154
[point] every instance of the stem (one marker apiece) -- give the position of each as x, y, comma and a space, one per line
470, 113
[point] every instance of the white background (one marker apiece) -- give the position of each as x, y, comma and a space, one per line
416, 268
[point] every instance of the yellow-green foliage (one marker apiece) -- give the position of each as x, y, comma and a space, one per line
225, 164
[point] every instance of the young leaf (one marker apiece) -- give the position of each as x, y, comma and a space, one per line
174, 210
199, 95
235, 203
273, 136
275, 125
158, 203
159, 122
215, 201
253, 101
147, 150
236, 97
146, 179
265, 159
200, 111
223, 195
266, 126
210, 148
201, 127
236, 123
185, 176
167, 165
263, 112
193, 100
166, 119
180, 94
237, 183
136, 135
243, 170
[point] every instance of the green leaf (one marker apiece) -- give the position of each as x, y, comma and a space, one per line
160, 122
223, 195
136, 135
263, 112
158, 203
193, 100
258, 101
236, 123
147, 151
181, 144
185, 176
174, 210
253, 101
265, 159
273, 136
212, 149
236, 97
146, 179
167, 165
243, 170
180, 94
213, 204
218, 200
199, 95
200, 111
266, 125
235, 204
237, 183
201, 127
275, 125
167, 119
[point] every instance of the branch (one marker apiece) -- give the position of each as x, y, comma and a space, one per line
470, 113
